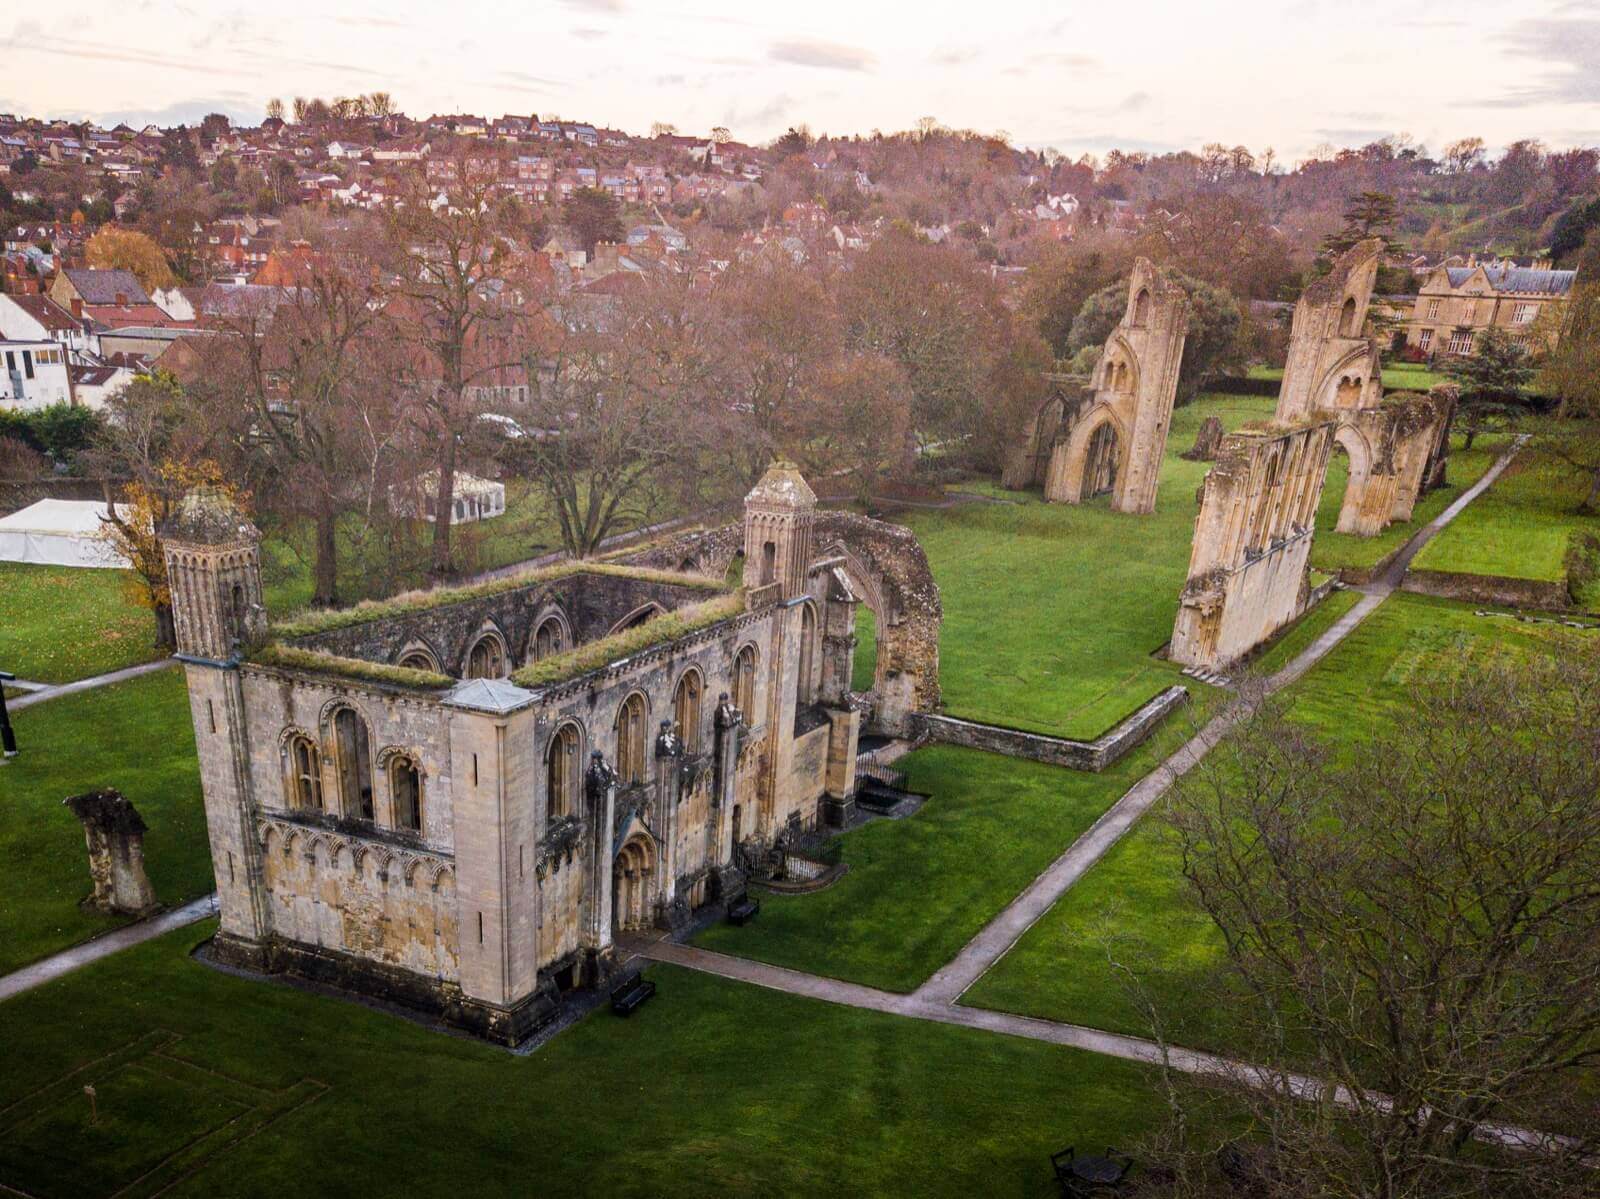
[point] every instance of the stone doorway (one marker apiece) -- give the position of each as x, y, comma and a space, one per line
1100, 462
633, 886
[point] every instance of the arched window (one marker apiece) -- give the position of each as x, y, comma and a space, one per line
549, 638
630, 730
561, 771
686, 709
487, 659
744, 681
769, 563
418, 659
808, 638
352, 759
302, 768
1141, 308
1347, 318
238, 612
405, 789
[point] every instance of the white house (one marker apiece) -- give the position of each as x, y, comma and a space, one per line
35, 375
474, 498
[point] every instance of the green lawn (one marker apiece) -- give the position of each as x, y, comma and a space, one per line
1298, 638
134, 736
1133, 907
1519, 528
1331, 550
1052, 611
918, 889
59, 623
712, 1088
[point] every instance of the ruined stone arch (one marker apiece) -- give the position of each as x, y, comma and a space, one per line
1355, 364
418, 654
488, 652
638, 616
1358, 450
549, 634
1140, 316
634, 883
887, 568
1078, 474
1347, 317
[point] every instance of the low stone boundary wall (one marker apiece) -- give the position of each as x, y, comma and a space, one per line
1489, 589
1093, 755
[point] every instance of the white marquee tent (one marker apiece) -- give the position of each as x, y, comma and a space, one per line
58, 533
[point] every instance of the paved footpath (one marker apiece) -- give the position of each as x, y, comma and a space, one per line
41, 693
68, 960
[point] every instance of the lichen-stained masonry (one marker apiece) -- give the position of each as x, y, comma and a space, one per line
1113, 436
1252, 537
885, 567
457, 799
1252, 541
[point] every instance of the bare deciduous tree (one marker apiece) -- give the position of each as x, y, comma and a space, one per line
1413, 924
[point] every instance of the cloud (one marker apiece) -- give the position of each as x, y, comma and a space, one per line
670, 80
590, 35
1057, 58
807, 52
1134, 102
184, 112
521, 81
1352, 137
27, 39
769, 114
595, 5
373, 22
954, 58
1568, 54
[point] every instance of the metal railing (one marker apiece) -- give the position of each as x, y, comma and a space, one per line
871, 766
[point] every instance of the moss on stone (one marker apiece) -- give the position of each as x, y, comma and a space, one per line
292, 657
410, 602
594, 655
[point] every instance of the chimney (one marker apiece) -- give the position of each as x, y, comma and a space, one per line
122, 299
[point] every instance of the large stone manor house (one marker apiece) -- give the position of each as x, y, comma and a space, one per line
458, 799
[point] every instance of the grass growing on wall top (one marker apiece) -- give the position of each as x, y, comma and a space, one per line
410, 602
593, 655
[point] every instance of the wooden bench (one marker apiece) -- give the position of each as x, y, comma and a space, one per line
630, 993
744, 911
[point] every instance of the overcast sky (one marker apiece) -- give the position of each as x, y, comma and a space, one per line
1152, 74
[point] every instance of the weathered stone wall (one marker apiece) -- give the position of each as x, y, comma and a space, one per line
1093, 755
1498, 590
889, 572
1252, 542
1331, 364
1135, 384
590, 605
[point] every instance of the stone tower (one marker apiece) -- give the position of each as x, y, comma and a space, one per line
778, 516
214, 573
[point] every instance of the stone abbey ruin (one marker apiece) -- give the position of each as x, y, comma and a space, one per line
459, 798
1248, 566
1110, 437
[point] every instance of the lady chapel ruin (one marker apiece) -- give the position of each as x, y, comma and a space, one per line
458, 799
